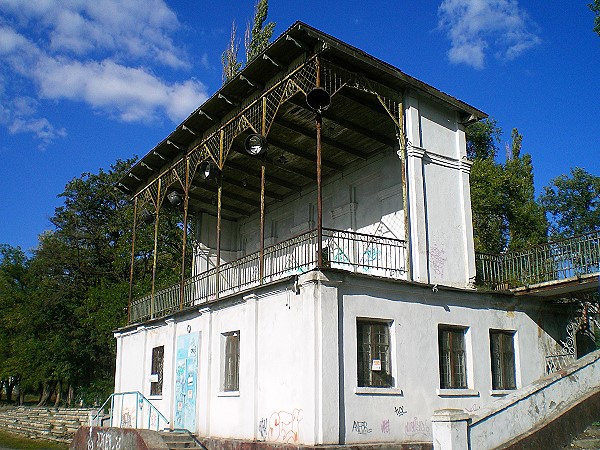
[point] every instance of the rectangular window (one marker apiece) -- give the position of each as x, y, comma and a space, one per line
453, 372
156, 371
231, 370
374, 364
502, 351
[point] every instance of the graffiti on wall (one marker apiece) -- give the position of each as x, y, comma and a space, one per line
474, 407
283, 426
416, 426
262, 429
399, 410
385, 426
361, 427
104, 440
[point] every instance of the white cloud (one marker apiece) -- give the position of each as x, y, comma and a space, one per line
132, 94
105, 53
131, 29
476, 27
40, 127
19, 115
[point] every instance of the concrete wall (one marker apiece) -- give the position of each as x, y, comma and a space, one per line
546, 412
403, 413
298, 351
367, 197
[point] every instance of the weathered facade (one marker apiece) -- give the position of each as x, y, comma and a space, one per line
332, 299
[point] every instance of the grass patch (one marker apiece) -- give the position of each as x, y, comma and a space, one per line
18, 442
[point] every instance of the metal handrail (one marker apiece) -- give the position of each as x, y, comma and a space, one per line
558, 260
150, 422
344, 250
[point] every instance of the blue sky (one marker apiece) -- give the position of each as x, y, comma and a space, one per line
84, 83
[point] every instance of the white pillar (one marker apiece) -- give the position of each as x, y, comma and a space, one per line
416, 191
449, 428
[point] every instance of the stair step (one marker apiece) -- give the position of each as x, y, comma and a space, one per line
175, 440
592, 431
586, 443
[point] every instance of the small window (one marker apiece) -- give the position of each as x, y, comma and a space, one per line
374, 364
502, 351
231, 369
156, 372
453, 373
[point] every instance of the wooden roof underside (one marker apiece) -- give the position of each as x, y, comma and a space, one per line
360, 122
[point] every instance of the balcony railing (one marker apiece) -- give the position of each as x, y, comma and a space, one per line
344, 250
555, 261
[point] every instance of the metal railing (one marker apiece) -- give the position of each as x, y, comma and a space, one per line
375, 255
130, 410
554, 261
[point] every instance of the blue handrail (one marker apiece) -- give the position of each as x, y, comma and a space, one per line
131, 417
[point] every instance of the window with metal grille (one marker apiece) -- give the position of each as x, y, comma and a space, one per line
502, 350
231, 370
156, 371
373, 359
453, 372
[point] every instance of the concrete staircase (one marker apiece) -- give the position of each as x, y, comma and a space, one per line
176, 440
589, 439
55, 424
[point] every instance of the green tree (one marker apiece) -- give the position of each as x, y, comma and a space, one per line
490, 229
573, 203
595, 7
14, 267
505, 213
58, 308
258, 36
527, 225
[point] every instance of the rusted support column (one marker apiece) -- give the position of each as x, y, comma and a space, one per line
186, 191
218, 265
262, 222
319, 124
401, 136
261, 262
133, 232
155, 254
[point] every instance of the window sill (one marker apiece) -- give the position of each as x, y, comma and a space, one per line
155, 397
457, 393
228, 394
365, 390
501, 392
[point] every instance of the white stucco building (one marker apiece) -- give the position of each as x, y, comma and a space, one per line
334, 306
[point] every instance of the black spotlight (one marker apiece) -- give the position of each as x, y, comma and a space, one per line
147, 217
208, 170
255, 145
175, 199
318, 99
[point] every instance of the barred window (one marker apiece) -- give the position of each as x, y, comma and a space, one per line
502, 350
453, 373
231, 370
373, 359
156, 371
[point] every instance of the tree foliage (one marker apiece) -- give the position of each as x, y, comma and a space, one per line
573, 203
58, 308
258, 36
505, 213
256, 39
595, 7
229, 58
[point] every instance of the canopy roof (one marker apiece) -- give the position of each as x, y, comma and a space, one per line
269, 96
